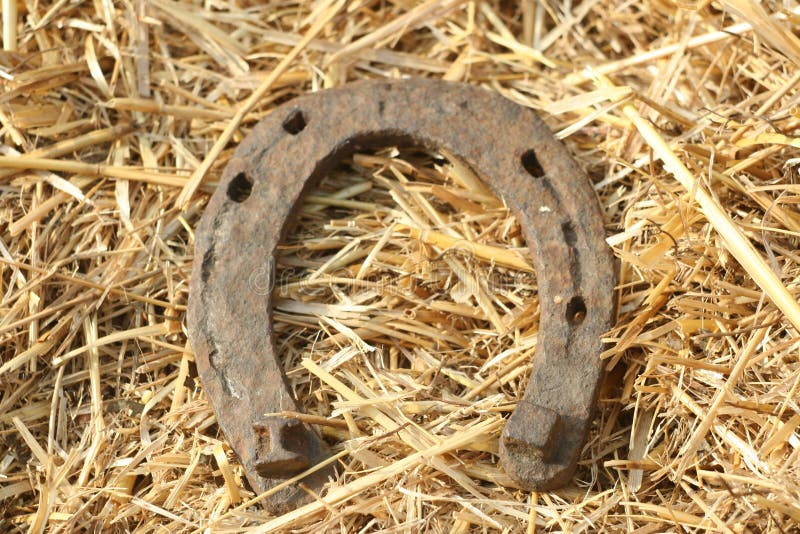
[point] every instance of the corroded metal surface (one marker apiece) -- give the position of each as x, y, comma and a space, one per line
230, 323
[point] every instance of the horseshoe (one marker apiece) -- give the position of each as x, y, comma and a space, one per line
230, 324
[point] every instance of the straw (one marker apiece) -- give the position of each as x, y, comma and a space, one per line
406, 310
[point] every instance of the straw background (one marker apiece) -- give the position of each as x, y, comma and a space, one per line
116, 120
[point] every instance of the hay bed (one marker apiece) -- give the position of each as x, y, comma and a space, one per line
116, 121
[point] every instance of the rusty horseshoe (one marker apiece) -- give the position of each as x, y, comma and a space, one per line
230, 324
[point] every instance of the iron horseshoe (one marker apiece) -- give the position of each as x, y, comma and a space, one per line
230, 325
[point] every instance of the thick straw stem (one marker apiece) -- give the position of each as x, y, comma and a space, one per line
10, 25
90, 169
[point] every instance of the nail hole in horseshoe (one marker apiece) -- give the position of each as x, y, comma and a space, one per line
576, 310
531, 163
240, 187
295, 122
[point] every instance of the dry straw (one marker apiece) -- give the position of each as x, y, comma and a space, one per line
407, 310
